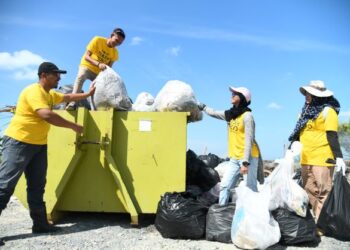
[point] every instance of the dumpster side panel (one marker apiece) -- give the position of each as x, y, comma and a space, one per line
92, 187
150, 148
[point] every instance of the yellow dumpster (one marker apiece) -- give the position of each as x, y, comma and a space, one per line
123, 162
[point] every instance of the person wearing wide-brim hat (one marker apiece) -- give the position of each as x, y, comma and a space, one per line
317, 131
244, 153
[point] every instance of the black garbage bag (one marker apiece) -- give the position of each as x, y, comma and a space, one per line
207, 178
294, 228
192, 167
194, 190
199, 174
208, 199
211, 160
180, 216
219, 222
334, 218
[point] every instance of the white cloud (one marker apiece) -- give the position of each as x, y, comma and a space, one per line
23, 64
19, 60
174, 51
136, 40
274, 105
25, 74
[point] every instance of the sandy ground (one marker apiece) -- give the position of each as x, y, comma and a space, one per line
107, 231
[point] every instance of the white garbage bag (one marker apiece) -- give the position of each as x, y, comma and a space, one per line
144, 102
285, 192
178, 96
253, 227
222, 168
110, 91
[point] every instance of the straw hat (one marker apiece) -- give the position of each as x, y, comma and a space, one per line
316, 88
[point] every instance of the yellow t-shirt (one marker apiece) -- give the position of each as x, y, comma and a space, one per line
26, 125
100, 52
236, 139
313, 137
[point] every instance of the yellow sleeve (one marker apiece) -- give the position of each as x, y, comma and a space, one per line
92, 46
56, 97
116, 56
331, 121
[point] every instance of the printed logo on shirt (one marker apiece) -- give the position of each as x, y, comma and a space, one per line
103, 57
308, 125
234, 125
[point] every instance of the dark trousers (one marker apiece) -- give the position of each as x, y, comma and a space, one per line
19, 157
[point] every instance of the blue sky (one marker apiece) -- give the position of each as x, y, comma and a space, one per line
271, 47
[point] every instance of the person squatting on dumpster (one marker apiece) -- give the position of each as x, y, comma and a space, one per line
100, 53
243, 150
25, 142
317, 129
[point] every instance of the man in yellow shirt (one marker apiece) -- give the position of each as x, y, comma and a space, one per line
317, 131
25, 142
100, 53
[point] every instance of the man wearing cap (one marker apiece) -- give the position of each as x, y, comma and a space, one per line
100, 53
244, 153
25, 141
317, 131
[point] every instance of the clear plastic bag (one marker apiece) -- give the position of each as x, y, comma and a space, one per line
110, 91
253, 227
178, 96
285, 192
144, 102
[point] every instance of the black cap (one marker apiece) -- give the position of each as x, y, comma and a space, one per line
119, 32
48, 67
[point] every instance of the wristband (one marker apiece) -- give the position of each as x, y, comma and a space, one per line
245, 163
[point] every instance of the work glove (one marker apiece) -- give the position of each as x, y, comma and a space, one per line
201, 106
341, 166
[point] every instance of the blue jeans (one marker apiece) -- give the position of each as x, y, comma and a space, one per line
232, 175
19, 157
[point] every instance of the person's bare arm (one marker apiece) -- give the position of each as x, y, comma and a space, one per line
51, 117
79, 96
88, 58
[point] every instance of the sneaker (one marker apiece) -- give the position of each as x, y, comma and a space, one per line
71, 106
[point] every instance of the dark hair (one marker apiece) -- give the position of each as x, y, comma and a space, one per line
243, 102
119, 32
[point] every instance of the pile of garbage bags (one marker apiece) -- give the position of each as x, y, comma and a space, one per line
111, 92
183, 215
199, 173
278, 213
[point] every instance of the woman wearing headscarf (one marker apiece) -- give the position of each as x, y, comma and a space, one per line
317, 131
243, 150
